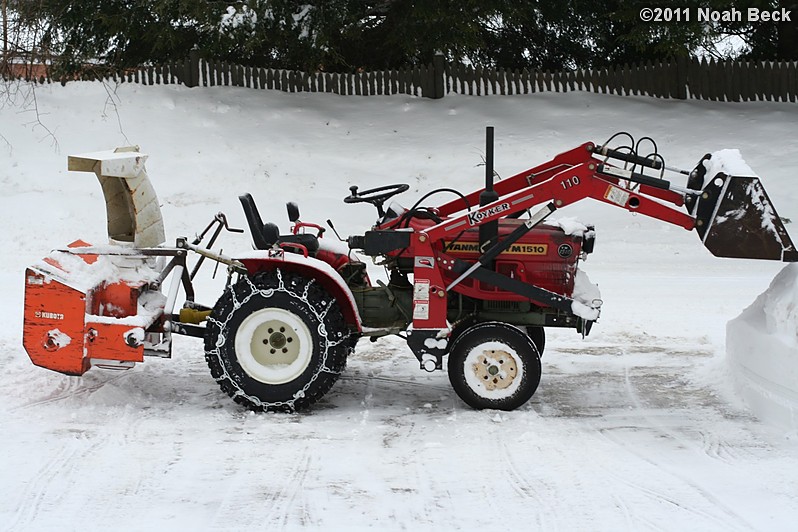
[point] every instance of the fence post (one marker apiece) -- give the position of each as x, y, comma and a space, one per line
192, 79
438, 73
681, 77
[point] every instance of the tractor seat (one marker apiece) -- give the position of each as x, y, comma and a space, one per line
311, 242
264, 236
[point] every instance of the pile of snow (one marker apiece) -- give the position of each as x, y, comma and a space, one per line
586, 296
571, 226
87, 271
729, 162
762, 347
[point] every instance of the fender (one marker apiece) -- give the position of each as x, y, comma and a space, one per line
267, 260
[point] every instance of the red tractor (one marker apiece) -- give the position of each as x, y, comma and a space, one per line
474, 280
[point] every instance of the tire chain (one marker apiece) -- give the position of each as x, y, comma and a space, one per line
347, 339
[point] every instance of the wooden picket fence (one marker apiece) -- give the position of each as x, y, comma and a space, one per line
733, 81
423, 80
661, 80
417, 81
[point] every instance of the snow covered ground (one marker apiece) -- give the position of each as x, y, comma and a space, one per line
636, 427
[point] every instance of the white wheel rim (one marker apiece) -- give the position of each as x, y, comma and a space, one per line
493, 370
273, 346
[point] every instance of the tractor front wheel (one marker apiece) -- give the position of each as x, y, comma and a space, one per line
538, 336
494, 365
276, 342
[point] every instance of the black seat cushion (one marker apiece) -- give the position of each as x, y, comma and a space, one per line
310, 242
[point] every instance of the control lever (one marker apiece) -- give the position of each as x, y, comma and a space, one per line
329, 222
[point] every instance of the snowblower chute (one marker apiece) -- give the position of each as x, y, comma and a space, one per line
132, 209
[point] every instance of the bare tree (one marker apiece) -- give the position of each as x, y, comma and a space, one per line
24, 62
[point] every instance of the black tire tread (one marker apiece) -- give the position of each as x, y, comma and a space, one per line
538, 336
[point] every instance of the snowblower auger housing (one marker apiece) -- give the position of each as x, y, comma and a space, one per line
473, 281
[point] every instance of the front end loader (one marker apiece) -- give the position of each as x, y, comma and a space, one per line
473, 281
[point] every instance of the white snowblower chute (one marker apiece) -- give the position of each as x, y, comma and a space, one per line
134, 216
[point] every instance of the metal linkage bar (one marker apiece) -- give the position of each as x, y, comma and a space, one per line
509, 240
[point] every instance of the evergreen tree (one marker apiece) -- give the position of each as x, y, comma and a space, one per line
346, 35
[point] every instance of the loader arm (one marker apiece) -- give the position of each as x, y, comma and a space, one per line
565, 185
559, 185
546, 171
752, 230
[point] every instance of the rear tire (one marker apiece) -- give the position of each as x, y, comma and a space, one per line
494, 365
276, 342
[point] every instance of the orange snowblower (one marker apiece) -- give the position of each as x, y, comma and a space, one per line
473, 281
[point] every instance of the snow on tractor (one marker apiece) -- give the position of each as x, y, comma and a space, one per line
475, 280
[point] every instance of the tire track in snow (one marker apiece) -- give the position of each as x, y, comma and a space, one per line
526, 490
132, 437
295, 503
281, 506
716, 448
367, 379
60, 466
74, 387
660, 497
664, 499
633, 519
285, 498
711, 444
629, 518
430, 491
732, 520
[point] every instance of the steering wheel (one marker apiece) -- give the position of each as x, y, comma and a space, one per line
375, 196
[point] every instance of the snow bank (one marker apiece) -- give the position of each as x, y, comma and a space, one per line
762, 347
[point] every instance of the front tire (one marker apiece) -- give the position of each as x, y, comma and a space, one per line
538, 336
276, 342
494, 365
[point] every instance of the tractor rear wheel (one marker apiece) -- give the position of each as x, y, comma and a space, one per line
494, 365
276, 342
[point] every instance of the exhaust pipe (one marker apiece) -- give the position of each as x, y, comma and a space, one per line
488, 232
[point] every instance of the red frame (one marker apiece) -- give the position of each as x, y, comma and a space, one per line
569, 177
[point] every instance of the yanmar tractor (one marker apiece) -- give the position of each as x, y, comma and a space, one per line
473, 281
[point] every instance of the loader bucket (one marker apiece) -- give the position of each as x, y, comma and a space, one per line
734, 215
